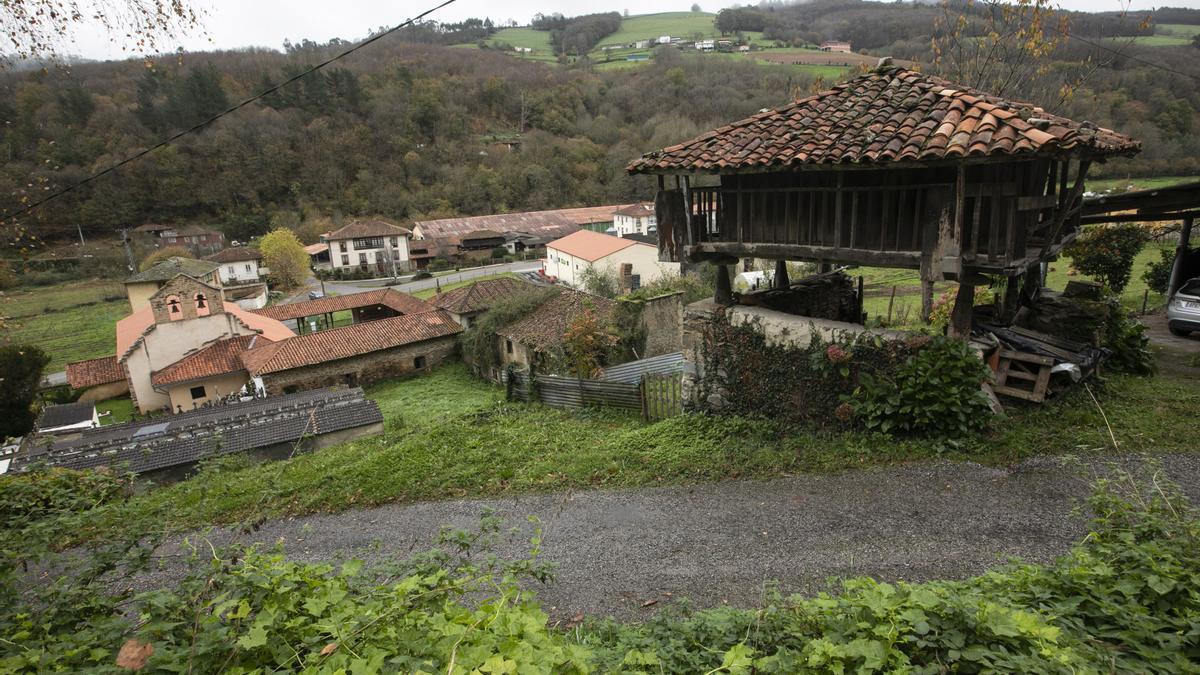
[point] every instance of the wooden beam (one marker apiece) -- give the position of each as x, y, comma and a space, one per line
724, 289
781, 274
960, 317
854, 256
1065, 207
1138, 217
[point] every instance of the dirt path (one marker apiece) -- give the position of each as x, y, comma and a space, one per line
718, 543
1176, 355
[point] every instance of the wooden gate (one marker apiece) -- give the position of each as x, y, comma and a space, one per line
662, 395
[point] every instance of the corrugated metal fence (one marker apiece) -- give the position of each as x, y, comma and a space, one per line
650, 386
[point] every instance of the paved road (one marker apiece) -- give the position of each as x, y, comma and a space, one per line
717, 543
348, 287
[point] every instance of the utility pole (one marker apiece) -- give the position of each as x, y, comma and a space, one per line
79, 227
128, 249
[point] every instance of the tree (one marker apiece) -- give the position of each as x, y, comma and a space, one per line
1107, 253
37, 29
696, 7
284, 255
21, 366
162, 254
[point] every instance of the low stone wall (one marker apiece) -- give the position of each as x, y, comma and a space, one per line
662, 319
364, 369
778, 329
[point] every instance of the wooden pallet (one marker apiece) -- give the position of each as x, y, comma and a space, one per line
1024, 376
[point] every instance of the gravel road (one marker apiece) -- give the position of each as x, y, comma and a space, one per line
717, 543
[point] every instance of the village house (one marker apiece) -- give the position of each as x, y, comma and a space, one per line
198, 240
318, 256
466, 303
836, 46
536, 340
68, 418
139, 287
383, 303
636, 263
239, 265
555, 222
634, 219
369, 245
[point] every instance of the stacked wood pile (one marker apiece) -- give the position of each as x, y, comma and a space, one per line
822, 296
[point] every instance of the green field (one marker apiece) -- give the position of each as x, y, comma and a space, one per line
1165, 35
430, 292
652, 26
1105, 184
70, 322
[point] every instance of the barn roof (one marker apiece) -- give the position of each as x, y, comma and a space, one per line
891, 114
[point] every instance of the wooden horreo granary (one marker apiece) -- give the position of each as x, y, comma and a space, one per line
893, 168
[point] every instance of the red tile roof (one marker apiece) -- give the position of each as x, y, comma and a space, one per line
341, 343
387, 297
480, 295
133, 327
636, 210
219, 358
94, 372
368, 228
544, 327
888, 115
558, 221
592, 246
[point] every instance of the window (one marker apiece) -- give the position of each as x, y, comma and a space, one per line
343, 245
362, 259
419, 363
197, 392
368, 242
395, 243
247, 267
174, 307
345, 261
508, 346
202, 308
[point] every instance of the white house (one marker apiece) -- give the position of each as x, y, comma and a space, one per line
370, 245
706, 45
664, 40
568, 259
634, 219
239, 265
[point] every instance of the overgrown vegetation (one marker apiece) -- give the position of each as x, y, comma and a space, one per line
1107, 253
1124, 599
480, 345
20, 374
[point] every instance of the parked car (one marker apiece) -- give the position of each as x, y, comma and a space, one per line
1183, 311
314, 295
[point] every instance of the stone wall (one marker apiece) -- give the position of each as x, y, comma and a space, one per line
364, 369
778, 329
662, 319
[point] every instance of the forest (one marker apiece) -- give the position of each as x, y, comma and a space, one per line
409, 128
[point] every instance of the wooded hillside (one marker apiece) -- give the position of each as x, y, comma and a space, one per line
413, 129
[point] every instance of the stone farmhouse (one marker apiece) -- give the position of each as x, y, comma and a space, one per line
185, 346
466, 303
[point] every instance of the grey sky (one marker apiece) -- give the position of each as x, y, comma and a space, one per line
266, 23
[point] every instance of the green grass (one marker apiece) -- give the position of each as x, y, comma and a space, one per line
653, 26
430, 292
1105, 184
1183, 30
121, 409
70, 322
448, 435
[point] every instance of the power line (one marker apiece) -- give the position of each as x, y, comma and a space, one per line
164, 143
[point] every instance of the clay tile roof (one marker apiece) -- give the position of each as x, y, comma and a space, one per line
94, 372
890, 114
591, 246
400, 302
235, 254
132, 328
479, 296
173, 267
636, 210
561, 221
368, 228
219, 358
354, 340
543, 328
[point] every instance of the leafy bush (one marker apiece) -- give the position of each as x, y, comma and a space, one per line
21, 366
935, 391
480, 346
25, 498
1107, 253
943, 306
1158, 272
1126, 338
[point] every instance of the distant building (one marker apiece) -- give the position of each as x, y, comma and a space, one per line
370, 245
642, 44
664, 40
705, 45
68, 418
198, 240
568, 259
239, 265
634, 219
836, 46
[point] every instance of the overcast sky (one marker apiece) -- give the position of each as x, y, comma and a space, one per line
267, 23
